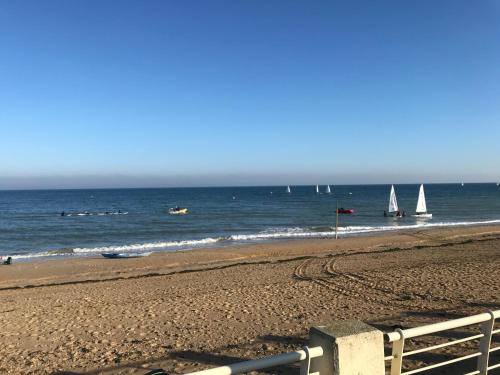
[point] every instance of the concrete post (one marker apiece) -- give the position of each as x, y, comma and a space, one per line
349, 348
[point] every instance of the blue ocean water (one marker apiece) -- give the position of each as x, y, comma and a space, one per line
31, 226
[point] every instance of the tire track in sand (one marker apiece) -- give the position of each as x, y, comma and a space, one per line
356, 286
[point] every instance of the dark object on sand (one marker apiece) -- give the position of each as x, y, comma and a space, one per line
124, 255
158, 371
396, 326
8, 260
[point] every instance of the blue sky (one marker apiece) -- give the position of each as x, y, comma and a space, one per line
164, 93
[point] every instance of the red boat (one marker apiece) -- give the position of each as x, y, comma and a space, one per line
345, 211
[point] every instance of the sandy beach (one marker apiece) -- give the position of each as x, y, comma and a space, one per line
190, 310
173, 176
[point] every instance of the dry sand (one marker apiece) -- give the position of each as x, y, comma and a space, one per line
191, 310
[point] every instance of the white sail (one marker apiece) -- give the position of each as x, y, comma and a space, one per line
328, 191
317, 189
421, 206
393, 203
288, 189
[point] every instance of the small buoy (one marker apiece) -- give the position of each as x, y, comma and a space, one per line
234, 197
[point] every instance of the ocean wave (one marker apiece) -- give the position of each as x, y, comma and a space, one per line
86, 213
269, 234
146, 246
284, 233
42, 254
140, 247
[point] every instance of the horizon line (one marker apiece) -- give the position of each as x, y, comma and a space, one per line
244, 186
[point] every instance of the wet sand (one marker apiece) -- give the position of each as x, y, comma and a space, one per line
189, 310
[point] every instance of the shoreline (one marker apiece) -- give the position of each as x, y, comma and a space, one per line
95, 268
238, 240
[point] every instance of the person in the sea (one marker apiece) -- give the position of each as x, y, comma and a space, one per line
63, 213
385, 213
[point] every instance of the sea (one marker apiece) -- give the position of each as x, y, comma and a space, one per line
137, 220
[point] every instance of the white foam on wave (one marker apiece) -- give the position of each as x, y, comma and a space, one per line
140, 247
42, 254
307, 233
270, 234
145, 246
96, 213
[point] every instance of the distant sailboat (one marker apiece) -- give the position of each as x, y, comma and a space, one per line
421, 210
328, 191
393, 205
317, 189
288, 189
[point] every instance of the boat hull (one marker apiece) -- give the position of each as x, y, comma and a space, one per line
345, 211
394, 215
182, 211
422, 216
124, 255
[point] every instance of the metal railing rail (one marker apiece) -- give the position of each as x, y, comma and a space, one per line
303, 356
487, 320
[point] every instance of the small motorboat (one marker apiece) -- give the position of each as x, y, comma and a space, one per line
345, 211
124, 255
178, 211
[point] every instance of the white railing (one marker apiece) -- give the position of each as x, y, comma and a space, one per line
303, 356
355, 348
487, 320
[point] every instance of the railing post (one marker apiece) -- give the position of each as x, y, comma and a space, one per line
484, 345
349, 348
305, 366
397, 354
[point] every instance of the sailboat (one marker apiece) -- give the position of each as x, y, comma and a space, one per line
421, 210
393, 205
328, 191
317, 189
288, 189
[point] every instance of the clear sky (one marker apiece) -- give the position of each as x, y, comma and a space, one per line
168, 93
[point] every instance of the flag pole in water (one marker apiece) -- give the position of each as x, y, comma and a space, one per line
337, 219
